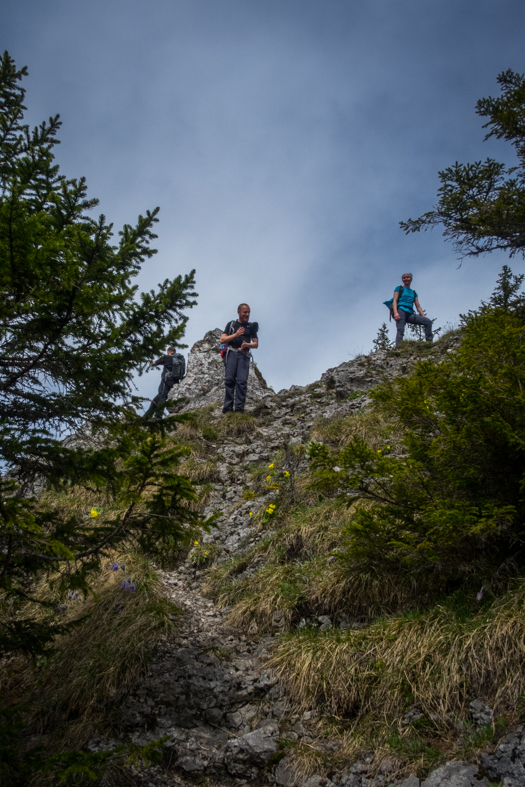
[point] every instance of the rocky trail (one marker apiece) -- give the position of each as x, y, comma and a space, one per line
208, 690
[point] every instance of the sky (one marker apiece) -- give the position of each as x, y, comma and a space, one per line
284, 141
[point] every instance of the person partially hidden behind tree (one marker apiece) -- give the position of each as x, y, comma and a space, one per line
405, 298
174, 367
239, 337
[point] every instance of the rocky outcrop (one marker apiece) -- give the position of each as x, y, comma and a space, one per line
208, 692
204, 381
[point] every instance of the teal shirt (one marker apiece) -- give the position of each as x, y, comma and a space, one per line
406, 301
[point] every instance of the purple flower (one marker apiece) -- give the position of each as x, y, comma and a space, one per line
132, 588
124, 585
330, 559
479, 596
59, 608
114, 567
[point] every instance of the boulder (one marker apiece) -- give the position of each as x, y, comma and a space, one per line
252, 751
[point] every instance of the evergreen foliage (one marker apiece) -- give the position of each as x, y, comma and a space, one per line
450, 508
382, 340
481, 206
73, 330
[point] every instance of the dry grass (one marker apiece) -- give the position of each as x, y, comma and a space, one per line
368, 423
77, 692
237, 425
438, 661
200, 471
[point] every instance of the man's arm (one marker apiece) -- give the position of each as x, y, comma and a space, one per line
250, 345
226, 338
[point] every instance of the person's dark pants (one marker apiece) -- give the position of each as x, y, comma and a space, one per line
236, 381
414, 319
165, 387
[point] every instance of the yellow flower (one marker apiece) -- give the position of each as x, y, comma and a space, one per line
251, 513
270, 466
94, 512
206, 553
195, 543
268, 478
388, 447
191, 555
379, 451
286, 473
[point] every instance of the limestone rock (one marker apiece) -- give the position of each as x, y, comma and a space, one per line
507, 764
252, 751
455, 774
204, 381
481, 713
285, 773
410, 781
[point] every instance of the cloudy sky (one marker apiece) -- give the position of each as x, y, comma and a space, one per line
283, 140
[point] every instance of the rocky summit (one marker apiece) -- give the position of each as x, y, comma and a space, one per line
208, 692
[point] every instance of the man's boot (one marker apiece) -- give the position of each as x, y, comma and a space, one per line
149, 412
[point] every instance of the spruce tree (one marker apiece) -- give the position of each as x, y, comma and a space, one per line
481, 206
382, 340
73, 331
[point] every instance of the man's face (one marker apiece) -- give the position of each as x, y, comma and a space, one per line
244, 314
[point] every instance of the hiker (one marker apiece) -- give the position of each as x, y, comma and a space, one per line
403, 302
239, 337
173, 370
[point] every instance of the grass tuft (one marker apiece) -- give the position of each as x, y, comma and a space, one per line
438, 660
237, 425
76, 693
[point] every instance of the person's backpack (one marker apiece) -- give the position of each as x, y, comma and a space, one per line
390, 304
179, 367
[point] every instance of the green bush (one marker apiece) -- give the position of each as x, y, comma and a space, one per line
449, 505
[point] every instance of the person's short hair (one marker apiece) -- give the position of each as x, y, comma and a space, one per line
171, 349
239, 307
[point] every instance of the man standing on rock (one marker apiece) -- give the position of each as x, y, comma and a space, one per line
405, 298
239, 337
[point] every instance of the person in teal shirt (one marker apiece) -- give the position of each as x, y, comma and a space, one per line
405, 298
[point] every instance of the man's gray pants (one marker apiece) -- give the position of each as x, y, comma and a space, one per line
414, 319
236, 381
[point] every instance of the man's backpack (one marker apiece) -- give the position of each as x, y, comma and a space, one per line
390, 304
178, 369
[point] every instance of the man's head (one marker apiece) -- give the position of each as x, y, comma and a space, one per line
406, 278
171, 350
243, 311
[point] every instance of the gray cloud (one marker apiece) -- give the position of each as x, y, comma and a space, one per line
284, 140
